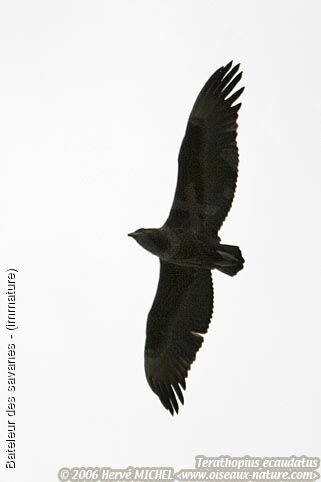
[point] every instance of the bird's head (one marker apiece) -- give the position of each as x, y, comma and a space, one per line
154, 240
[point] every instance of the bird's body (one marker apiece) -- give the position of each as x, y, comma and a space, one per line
186, 247
188, 244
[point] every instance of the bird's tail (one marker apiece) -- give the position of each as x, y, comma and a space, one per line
231, 261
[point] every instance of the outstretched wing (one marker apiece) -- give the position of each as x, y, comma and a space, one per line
208, 158
182, 309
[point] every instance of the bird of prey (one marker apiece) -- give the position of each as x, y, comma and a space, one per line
188, 245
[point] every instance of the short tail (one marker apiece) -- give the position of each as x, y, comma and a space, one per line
231, 261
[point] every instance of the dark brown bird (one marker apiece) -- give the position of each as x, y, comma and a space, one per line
188, 244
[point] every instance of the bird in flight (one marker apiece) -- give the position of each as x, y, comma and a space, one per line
188, 245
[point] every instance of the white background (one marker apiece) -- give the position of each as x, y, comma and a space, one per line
94, 101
